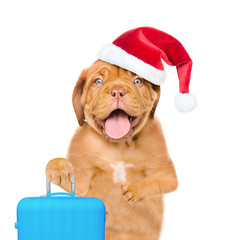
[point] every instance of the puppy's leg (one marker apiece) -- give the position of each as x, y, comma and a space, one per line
83, 180
60, 171
111, 234
82, 183
160, 181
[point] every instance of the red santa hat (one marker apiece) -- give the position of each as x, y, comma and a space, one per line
141, 50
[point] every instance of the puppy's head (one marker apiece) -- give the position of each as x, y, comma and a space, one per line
115, 102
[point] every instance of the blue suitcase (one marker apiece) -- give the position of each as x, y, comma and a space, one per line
60, 216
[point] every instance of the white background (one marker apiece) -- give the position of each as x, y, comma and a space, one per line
44, 45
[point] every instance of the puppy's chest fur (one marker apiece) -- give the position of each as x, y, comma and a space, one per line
113, 163
119, 167
119, 171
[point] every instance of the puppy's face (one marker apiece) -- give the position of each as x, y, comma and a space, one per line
115, 102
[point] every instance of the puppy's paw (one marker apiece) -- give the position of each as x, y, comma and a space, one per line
130, 193
59, 171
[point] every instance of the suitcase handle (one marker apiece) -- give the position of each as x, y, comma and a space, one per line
48, 187
61, 193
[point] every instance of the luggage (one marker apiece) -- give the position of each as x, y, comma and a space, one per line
60, 216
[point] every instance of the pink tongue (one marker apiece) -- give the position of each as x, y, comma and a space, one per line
117, 125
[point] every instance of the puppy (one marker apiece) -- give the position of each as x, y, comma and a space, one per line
118, 153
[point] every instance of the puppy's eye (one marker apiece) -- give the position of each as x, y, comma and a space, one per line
137, 81
98, 81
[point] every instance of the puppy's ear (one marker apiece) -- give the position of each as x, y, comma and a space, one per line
157, 90
77, 93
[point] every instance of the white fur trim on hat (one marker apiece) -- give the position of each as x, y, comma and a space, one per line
185, 102
115, 55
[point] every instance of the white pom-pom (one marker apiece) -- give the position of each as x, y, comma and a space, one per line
185, 102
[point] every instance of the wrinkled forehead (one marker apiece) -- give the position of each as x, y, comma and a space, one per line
107, 70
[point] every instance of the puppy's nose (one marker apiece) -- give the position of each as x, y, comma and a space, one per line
119, 92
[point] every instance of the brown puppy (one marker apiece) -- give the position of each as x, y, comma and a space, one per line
119, 153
